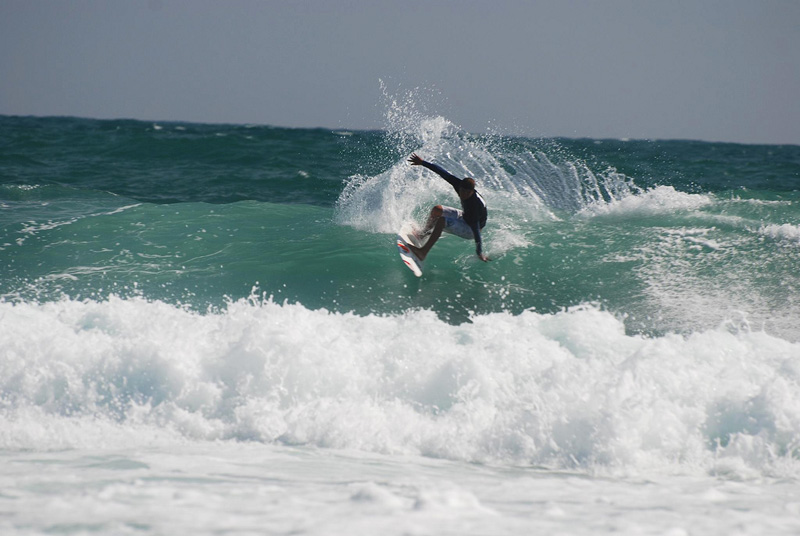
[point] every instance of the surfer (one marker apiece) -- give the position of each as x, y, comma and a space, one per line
466, 223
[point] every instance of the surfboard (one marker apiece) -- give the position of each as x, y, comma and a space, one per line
404, 238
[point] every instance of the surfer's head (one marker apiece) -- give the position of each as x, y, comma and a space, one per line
467, 188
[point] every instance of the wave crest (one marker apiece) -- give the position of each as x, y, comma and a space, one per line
565, 390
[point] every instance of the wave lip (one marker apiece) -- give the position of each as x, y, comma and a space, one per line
569, 390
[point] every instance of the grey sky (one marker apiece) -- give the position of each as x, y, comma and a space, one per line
712, 70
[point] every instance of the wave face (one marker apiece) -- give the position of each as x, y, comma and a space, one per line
228, 282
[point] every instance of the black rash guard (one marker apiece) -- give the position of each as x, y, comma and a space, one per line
474, 206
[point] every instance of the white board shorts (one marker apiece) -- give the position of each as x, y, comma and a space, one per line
455, 224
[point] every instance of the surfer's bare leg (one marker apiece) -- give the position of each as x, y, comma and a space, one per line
436, 213
438, 227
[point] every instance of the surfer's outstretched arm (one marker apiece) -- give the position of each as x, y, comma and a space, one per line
454, 181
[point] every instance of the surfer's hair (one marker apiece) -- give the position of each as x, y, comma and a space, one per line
468, 183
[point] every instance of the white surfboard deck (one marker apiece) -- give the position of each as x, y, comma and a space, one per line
404, 238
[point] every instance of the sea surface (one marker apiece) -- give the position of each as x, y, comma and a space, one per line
206, 329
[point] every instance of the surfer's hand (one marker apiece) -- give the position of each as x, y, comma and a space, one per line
415, 160
483, 257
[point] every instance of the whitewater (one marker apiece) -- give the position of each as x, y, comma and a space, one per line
186, 347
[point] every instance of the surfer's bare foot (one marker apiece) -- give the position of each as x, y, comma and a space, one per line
419, 234
416, 251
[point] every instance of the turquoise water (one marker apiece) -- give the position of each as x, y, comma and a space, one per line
672, 235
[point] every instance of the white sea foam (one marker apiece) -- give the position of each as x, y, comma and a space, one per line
659, 200
519, 183
569, 390
786, 232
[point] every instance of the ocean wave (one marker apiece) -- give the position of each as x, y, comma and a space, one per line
565, 390
786, 233
658, 200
